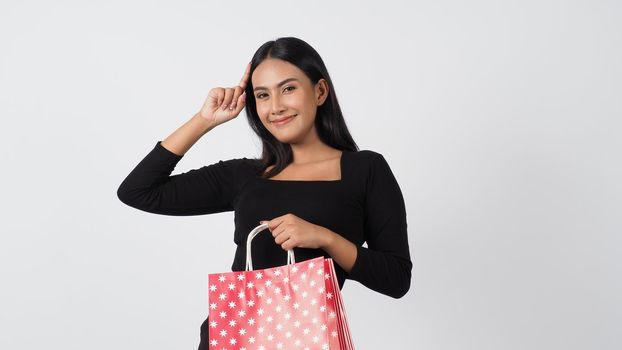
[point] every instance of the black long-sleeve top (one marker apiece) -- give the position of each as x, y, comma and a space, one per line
365, 205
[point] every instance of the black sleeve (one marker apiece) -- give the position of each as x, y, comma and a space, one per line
210, 189
385, 265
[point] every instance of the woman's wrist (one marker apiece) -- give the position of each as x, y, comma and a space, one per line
343, 252
327, 237
203, 124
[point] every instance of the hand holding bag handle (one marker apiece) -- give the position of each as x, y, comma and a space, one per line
226, 288
251, 235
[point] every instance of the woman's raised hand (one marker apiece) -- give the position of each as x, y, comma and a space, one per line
224, 104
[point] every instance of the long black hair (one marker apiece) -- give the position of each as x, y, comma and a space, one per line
329, 122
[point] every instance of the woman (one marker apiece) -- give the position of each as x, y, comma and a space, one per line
317, 192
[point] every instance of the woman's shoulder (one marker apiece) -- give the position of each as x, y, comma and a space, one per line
246, 167
243, 164
231, 169
367, 154
368, 162
366, 157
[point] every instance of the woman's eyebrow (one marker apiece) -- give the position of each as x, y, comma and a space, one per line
278, 85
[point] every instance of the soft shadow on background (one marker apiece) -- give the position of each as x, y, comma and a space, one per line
500, 120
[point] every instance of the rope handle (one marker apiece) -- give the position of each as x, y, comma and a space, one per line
249, 259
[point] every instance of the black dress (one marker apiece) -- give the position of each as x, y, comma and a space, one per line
365, 205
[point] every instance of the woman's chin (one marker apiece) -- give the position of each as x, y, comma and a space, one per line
286, 138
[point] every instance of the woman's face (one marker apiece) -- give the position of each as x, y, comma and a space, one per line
287, 101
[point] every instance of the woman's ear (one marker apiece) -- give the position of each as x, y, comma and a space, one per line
321, 91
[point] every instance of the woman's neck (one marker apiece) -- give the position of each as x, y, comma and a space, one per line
312, 152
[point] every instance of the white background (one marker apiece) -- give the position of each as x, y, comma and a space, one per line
500, 119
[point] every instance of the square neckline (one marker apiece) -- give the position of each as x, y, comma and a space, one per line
341, 168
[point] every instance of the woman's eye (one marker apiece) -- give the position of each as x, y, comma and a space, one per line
293, 88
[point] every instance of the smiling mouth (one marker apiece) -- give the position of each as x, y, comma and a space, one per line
280, 121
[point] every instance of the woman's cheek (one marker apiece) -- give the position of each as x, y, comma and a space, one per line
262, 111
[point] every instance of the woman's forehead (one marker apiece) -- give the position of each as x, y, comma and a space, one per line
271, 72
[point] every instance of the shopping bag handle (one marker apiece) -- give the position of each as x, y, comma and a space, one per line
249, 259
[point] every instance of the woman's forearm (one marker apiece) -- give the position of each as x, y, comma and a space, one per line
342, 251
180, 141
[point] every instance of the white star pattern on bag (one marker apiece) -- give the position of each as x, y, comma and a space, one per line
291, 307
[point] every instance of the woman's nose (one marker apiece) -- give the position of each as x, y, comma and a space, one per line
277, 107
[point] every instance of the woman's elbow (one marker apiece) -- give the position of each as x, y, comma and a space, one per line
402, 285
402, 288
122, 194
126, 195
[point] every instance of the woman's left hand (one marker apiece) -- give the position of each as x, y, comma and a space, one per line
290, 231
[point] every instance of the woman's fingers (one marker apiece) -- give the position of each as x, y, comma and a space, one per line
227, 99
237, 91
288, 245
240, 103
214, 99
282, 234
246, 76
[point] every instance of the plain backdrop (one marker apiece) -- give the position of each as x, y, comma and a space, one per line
500, 120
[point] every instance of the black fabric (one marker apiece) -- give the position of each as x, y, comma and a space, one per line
204, 334
366, 205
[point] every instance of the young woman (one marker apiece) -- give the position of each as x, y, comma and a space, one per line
317, 192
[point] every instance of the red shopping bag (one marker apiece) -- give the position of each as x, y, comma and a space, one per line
295, 306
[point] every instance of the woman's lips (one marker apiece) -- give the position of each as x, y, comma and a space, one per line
284, 120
